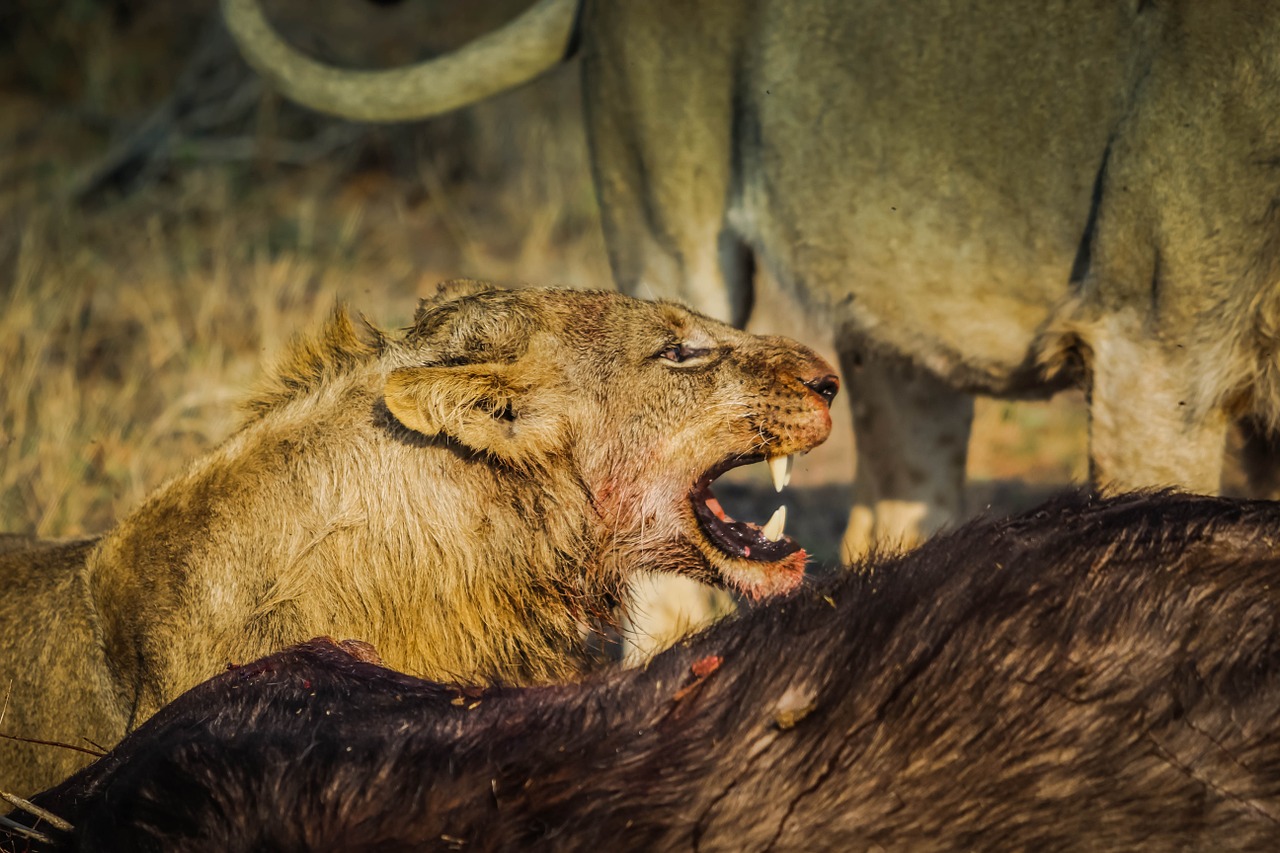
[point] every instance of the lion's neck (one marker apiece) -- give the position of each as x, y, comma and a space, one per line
450, 569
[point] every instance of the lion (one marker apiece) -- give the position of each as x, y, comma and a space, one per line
465, 495
1004, 198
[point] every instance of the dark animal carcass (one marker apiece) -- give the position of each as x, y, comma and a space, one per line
1096, 674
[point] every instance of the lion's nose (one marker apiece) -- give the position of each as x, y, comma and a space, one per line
824, 386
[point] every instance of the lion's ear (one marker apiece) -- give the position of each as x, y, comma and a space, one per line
506, 410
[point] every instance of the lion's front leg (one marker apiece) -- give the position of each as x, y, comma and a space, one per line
912, 435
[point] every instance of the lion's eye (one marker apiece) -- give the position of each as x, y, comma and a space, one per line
679, 353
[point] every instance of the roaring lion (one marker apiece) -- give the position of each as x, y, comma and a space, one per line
1004, 197
464, 495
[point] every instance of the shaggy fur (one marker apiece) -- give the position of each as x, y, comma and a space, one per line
993, 196
1094, 675
464, 495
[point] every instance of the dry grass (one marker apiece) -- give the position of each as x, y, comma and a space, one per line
129, 333
128, 338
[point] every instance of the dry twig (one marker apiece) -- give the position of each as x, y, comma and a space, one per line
36, 811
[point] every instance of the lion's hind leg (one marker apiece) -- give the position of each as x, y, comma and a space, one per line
912, 435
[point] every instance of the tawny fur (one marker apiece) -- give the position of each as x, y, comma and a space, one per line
464, 495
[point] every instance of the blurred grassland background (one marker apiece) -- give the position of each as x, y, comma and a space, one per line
167, 224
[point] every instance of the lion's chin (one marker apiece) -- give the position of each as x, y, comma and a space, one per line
757, 580
696, 558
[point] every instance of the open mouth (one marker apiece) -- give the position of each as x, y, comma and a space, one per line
744, 539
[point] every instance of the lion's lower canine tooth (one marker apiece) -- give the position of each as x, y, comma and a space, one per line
780, 470
773, 530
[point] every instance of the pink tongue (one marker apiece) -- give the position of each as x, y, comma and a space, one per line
714, 506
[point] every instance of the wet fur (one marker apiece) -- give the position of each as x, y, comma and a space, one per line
1095, 674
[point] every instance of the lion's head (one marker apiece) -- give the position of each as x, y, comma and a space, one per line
646, 403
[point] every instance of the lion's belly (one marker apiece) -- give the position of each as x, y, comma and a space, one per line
963, 294
931, 193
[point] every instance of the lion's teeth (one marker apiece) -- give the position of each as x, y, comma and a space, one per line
780, 470
773, 530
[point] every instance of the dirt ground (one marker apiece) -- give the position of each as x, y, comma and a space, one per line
139, 301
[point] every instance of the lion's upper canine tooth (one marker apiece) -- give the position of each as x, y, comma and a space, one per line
773, 529
780, 470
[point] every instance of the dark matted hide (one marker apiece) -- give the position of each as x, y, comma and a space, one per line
1092, 675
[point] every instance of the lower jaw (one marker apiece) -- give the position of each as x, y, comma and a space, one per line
767, 579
